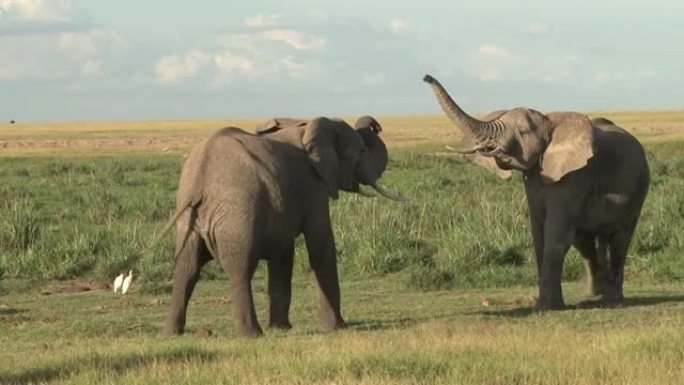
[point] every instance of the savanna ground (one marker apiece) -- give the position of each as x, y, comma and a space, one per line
438, 290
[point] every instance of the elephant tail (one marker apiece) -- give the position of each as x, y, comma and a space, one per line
191, 203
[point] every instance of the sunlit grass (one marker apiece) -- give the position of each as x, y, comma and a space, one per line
435, 291
395, 335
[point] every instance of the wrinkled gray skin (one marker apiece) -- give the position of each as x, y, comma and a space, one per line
245, 197
585, 182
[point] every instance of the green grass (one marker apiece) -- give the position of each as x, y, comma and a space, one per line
92, 217
437, 290
395, 335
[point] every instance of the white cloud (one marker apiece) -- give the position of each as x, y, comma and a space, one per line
295, 39
230, 63
41, 41
556, 69
624, 77
493, 51
398, 26
266, 55
251, 41
10, 70
294, 68
262, 20
488, 74
492, 62
537, 28
34, 9
91, 67
372, 79
58, 55
172, 68
88, 40
224, 66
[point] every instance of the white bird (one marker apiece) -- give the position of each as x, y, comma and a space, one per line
127, 282
118, 281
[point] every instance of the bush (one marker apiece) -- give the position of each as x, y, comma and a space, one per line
427, 278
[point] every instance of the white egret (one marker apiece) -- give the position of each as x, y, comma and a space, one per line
127, 282
118, 281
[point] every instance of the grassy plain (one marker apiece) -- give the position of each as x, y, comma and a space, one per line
435, 291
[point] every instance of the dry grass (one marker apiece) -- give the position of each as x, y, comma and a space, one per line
399, 131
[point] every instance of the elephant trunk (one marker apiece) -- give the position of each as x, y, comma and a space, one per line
484, 132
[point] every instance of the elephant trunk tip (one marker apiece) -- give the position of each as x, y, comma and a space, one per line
428, 79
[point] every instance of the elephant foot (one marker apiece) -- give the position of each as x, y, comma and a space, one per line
251, 333
613, 298
174, 330
549, 304
174, 327
595, 286
284, 326
332, 326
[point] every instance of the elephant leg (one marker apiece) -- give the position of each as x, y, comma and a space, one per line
537, 230
594, 260
239, 260
280, 287
191, 255
320, 245
618, 244
559, 233
535, 204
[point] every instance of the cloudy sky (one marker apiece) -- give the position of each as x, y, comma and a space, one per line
66, 60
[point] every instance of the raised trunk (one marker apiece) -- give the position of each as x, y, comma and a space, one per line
483, 131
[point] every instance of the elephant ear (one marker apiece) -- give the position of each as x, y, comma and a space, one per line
319, 142
570, 147
275, 124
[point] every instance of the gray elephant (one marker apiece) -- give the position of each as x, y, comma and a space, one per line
585, 181
244, 197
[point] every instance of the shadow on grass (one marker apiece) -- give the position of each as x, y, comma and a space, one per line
117, 363
378, 324
628, 302
12, 311
518, 312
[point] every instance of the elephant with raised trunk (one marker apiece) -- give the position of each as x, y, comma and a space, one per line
244, 198
585, 181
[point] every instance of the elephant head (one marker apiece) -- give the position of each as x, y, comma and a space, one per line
345, 158
554, 144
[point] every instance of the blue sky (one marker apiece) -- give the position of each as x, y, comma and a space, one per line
70, 60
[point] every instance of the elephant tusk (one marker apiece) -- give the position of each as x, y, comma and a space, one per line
470, 150
389, 194
498, 150
365, 193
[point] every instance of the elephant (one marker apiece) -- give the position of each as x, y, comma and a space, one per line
585, 181
245, 197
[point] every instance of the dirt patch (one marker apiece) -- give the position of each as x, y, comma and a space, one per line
14, 317
73, 286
